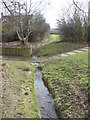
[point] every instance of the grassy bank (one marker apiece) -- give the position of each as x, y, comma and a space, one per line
53, 38
67, 79
54, 48
19, 99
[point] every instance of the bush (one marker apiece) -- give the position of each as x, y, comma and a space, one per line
73, 31
75, 28
40, 29
9, 37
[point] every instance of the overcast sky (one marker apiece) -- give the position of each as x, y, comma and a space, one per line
56, 7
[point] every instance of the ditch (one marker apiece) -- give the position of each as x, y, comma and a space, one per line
44, 98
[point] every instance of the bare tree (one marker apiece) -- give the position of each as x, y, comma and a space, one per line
74, 23
22, 14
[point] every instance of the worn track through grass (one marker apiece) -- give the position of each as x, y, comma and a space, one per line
55, 48
18, 94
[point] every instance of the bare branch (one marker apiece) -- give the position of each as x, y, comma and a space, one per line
19, 36
68, 8
78, 7
9, 10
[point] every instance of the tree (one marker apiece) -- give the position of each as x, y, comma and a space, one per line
73, 26
22, 16
40, 27
85, 16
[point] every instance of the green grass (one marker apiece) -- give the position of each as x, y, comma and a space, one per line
55, 48
54, 38
67, 79
18, 84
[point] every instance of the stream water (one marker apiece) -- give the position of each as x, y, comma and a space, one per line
44, 98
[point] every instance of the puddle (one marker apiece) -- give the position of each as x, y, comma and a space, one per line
44, 98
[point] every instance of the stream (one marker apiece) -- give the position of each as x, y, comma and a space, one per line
44, 98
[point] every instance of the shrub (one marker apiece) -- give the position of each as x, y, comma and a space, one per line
9, 37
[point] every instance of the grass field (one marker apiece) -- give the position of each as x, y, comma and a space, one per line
53, 38
19, 99
67, 79
54, 48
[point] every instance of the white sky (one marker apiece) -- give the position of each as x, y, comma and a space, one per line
56, 7
53, 10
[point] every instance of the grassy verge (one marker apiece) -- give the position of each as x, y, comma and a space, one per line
53, 38
67, 79
18, 90
55, 48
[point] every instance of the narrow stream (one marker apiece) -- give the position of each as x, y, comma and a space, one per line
44, 98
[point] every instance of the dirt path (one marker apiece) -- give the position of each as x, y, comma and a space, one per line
18, 96
10, 95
